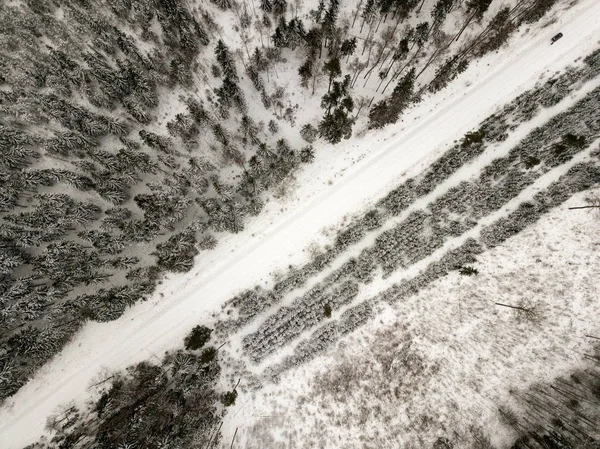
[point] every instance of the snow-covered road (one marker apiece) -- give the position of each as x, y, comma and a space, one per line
242, 260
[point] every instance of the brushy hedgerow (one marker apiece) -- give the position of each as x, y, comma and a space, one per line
579, 178
290, 322
479, 193
445, 362
424, 231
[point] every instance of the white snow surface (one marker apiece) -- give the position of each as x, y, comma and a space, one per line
447, 353
344, 180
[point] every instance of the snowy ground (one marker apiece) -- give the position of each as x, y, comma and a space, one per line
445, 359
344, 180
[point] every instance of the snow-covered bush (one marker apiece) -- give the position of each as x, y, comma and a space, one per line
309, 133
290, 322
197, 338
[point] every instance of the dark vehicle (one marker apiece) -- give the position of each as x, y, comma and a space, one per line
556, 37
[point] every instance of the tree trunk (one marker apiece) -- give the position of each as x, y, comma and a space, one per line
457, 36
431, 59
356, 13
378, 23
522, 309
397, 73
208, 446
362, 105
585, 207
362, 25
374, 64
233, 439
358, 72
386, 44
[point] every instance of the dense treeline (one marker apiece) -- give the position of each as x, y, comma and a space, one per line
97, 196
561, 414
168, 405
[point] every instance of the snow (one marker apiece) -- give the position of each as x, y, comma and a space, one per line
465, 172
473, 353
379, 285
345, 179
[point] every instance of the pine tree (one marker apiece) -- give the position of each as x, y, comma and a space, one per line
440, 11
403, 92
309, 133
307, 154
478, 7
388, 111
348, 48
266, 5
279, 7
336, 126
306, 71
333, 69
318, 14
404, 7
330, 18
421, 34
444, 74
368, 13
335, 96
280, 36
197, 338
226, 61
314, 39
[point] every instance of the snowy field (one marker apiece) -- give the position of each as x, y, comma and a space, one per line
345, 180
443, 360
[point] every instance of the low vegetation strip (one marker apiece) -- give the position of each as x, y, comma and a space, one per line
451, 215
253, 302
580, 177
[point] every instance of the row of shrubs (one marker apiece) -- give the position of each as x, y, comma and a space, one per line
322, 338
579, 178
251, 303
425, 231
303, 314
422, 232
495, 128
